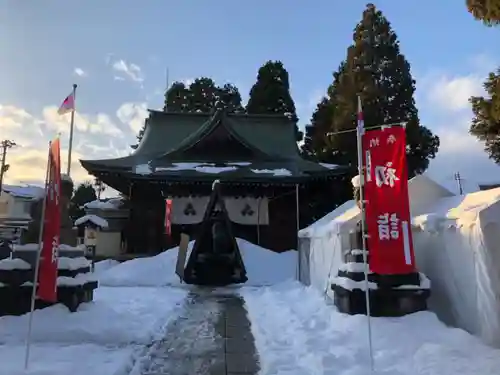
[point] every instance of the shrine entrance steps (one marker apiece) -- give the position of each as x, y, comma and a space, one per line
211, 336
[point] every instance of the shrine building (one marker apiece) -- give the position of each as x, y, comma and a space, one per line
255, 157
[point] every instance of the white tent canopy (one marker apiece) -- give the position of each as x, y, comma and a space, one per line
423, 192
456, 245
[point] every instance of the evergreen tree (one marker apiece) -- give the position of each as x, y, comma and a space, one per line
486, 121
316, 140
177, 98
487, 11
229, 97
84, 193
271, 93
203, 95
376, 70
140, 135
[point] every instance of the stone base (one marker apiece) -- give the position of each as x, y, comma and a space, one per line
390, 295
16, 300
383, 302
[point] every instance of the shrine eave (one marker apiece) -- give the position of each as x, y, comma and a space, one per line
254, 172
112, 179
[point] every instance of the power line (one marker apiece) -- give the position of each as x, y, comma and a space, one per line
459, 180
5, 145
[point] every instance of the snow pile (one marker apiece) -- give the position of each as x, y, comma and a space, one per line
100, 338
118, 316
14, 264
263, 267
36, 247
104, 265
153, 271
296, 332
94, 219
72, 264
27, 191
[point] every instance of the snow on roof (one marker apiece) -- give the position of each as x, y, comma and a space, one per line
97, 220
276, 172
110, 204
345, 213
423, 191
461, 210
329, 166
26, 191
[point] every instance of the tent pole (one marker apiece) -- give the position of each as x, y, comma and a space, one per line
259, 201
297, 214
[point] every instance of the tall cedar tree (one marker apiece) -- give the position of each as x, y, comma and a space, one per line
487, 11
317, 147
202, 95
316, 144
376, 70
486, 121
271, 93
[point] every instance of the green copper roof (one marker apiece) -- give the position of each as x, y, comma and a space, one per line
172, 142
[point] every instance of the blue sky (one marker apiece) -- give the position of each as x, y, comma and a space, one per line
118, 51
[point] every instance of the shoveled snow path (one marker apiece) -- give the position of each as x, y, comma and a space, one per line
189, 345
297, 332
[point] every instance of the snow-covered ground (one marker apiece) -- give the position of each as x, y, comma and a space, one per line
134, 302
101, 338
297, 331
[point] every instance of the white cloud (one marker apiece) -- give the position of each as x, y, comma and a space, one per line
128, 71
96, 137
444, 99
99, 124
453, 93
80, 72
133, 114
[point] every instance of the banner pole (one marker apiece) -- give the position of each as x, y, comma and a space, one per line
37, 263
359, 131
71, 130
297, 214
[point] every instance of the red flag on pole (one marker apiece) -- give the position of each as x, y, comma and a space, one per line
47, 289
68, 105
168, 216
388, 209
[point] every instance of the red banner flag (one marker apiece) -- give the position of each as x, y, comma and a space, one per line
168, 216
68, 105
47, 288
388, 216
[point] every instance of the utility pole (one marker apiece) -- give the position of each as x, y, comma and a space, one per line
4, 145
459, 182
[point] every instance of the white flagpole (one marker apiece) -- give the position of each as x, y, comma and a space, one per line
71, 129
37, 264
359, 133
